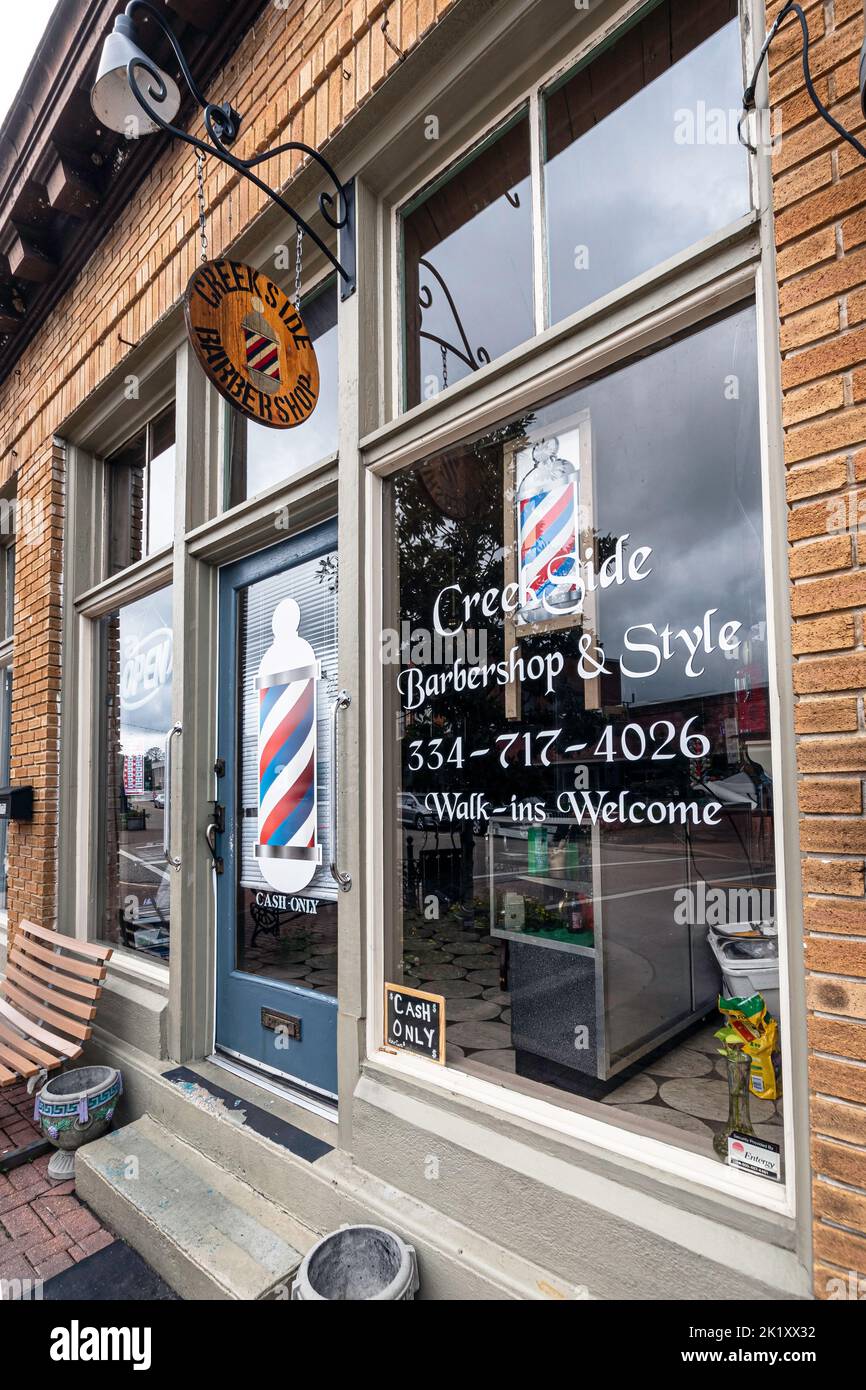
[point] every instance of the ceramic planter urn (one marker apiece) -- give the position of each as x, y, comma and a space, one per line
73, 1108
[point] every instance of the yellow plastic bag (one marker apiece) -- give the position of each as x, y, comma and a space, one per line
758, 1034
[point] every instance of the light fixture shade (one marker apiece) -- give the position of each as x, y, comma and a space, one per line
112, 99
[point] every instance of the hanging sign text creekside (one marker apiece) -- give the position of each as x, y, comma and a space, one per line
252, 343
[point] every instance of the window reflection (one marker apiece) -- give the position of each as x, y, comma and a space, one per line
137, 648
261, 457
641, 150
140, 479
468, 266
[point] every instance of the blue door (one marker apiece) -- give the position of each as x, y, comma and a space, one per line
276, 896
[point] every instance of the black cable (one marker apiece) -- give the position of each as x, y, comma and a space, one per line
749, 94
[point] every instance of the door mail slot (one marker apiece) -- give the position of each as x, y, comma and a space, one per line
286, 1023
16, 803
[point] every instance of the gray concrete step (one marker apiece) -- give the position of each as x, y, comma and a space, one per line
209, 1234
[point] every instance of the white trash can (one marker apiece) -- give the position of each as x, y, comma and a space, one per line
749, 965
358, 1263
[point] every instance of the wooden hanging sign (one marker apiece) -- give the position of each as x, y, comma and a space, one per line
252, 343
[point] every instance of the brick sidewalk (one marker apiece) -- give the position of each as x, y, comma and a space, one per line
44, 1229
16, 1119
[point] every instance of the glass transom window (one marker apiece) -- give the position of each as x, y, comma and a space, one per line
642, 157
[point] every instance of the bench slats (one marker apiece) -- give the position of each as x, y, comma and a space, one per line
21, 1064
27, 1047
70, 1050
82, 969
51, 981
69, 943
46, 976
43, 997
16, 996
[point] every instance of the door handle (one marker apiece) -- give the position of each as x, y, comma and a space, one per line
216, 827
166, 820
343, 880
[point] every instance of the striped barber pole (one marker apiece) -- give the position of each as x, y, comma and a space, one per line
548, 537
287, 777
263, 354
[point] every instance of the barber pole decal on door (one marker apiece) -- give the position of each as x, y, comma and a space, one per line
287, 679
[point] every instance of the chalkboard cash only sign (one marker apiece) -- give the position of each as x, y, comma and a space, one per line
252, 343
415, 1022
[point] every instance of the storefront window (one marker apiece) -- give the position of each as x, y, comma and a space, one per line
583, 795
642, 157
140, 479
261, 457
467, 246
137, 680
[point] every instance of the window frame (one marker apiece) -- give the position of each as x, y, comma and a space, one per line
733, 265
530, 98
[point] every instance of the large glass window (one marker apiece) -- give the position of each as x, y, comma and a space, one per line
582, 799
261, 457
140, 480
137, 650
642, 157
468, 266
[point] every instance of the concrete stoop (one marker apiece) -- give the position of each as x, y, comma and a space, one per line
206, 1232
222, 1210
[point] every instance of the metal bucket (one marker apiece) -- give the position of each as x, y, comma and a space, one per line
358, 1263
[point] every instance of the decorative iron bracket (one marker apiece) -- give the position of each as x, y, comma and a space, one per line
222, 123
463, 351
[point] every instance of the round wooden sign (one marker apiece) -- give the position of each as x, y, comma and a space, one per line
252, 343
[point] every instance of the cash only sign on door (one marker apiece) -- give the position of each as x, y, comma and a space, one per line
252, 343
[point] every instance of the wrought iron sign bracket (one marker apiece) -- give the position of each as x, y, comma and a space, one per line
222, 123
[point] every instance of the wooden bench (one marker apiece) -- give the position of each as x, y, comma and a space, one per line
48, 1001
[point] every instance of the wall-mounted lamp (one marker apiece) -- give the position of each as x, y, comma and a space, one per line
788, 10
134, 97
112, 97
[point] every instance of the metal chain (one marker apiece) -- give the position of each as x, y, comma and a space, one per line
202, 225
299, 261
444, 367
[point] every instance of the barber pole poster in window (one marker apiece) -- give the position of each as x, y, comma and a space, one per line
252, 343
288, 675
548, 532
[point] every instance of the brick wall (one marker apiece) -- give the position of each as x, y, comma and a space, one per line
299, 74
819, 197
32, 847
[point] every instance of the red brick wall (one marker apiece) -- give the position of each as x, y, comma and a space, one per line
819, 196
32, 847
